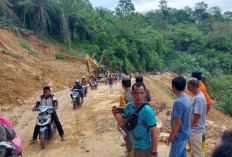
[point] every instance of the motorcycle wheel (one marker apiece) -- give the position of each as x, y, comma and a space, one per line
79, 101
74, 104
43, 139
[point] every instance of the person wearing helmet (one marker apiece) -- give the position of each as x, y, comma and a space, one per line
84, 85
79, 87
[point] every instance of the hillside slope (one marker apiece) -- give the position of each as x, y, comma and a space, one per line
24, 71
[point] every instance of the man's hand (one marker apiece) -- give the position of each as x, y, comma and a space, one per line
170, 139
56, 107
33, 109
114, 110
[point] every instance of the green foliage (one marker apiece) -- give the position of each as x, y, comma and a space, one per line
184, 36
125, 8
217, 89
59, 56
8, 52
225, 105
26, 46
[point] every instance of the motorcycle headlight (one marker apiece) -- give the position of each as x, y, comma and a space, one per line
42, 122
50, 111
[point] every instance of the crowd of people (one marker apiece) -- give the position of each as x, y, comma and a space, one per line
137, 121
188, 120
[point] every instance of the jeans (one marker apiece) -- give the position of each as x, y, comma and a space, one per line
57, 122
178, 147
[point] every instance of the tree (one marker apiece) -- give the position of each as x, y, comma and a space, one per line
124, 8
163, 4
228, 16
42, 10
216, 13
200, 11
8, 14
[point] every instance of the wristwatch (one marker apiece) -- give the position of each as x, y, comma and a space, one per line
154, 153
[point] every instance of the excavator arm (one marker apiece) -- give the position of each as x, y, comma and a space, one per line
91, 62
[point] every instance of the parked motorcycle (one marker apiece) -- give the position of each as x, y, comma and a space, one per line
93, 84
76, 98
7, 149
46, 124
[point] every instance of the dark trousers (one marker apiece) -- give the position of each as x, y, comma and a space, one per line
58, 125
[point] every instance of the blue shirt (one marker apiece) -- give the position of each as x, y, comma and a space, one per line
141, 136
182, 109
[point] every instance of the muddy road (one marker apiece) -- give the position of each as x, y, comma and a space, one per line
90, 130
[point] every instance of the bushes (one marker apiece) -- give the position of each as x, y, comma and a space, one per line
8, 52
25, 45
59, 56
225, 105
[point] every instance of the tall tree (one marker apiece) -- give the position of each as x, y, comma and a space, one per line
8, 13
163, 4
200, 11
41, 10
124, 8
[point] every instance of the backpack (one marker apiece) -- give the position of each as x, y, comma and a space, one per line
6, 122
18, 144
132, 120
10, 133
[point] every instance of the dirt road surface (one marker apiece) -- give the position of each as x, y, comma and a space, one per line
90, 130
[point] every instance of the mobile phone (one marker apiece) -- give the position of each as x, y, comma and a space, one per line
120, 110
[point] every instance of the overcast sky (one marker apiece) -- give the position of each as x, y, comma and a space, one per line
146, 5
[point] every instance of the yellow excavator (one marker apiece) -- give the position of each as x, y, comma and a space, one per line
99, 70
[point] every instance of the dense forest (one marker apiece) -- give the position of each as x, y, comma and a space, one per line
181, 40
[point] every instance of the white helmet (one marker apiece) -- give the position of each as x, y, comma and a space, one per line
83, 77
77, 81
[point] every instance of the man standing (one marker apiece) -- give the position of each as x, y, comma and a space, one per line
148, 95
125, 99
198, 75
180, 119
197, 117
144, 136
110, 79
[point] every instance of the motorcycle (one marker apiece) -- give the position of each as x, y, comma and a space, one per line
93, 84
7, 149
84, 90
46, 124
76, 98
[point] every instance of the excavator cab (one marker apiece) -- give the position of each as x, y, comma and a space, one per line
103, 70
99, 70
